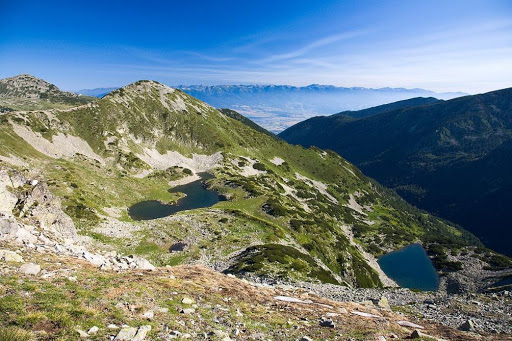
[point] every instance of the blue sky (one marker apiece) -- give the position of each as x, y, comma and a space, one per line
444, 45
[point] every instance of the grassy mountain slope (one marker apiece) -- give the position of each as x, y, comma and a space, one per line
237, 116
433, 155
292, 213
486, 202
412, 102
320, 129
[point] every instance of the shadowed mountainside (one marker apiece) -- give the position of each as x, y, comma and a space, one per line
450, 157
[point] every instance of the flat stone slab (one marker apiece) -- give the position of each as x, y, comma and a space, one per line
291, 299
126, 333
409, 324
363, 314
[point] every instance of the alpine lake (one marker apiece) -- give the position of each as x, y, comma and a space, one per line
196, 196
410, 267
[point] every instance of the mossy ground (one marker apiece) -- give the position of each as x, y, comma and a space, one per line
281, 261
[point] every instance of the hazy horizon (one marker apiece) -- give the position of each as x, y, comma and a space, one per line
261, 84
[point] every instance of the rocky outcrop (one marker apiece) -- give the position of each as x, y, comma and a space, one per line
30, 87
475, 276
29, 211
32, 217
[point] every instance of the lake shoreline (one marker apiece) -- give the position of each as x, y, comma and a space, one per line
185, 180
193, 195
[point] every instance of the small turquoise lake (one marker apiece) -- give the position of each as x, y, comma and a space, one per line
411, 268
197, 196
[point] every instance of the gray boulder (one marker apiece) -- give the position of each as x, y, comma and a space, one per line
142, 333
327, 323
467, 326
383, 303
126, 333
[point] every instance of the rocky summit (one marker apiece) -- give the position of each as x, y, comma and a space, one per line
26, 92
288, 252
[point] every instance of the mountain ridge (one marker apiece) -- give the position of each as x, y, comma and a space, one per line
276, 107
412, 102
250, 87
405, 147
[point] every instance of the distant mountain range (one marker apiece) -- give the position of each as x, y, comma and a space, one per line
276, 107
453, 158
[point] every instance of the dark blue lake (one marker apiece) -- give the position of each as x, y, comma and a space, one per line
197, 196
411, 268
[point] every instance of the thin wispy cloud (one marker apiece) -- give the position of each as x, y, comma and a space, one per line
211, 58
445, 46
317, 44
